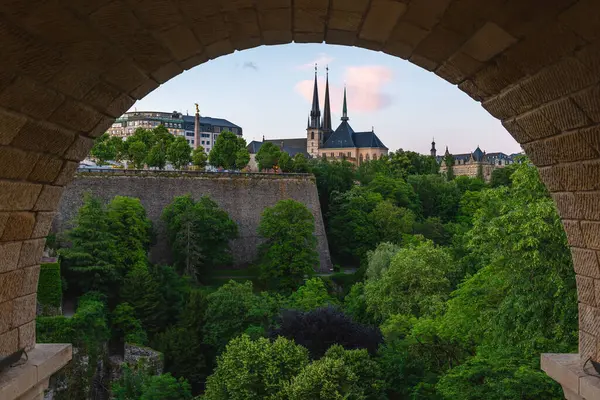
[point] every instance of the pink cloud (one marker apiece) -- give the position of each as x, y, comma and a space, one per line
364, 86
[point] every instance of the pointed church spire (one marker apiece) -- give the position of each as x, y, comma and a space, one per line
315, 112
327, 107
345, 108
433, 151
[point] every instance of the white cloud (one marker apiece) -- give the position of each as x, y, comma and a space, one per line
364, 85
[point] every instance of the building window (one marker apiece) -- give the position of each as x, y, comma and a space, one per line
349, 154
332, 155
217, 129
203, 142
312, 136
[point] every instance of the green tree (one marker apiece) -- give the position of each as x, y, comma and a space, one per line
501, 176
449, 162
379, 259
286, 163
233, 309
289, 251
255, 369
395, 190
480, 172
391, 223
104, 149
438, 197
268, 156
142, 291
340, 374
179, 153
166, 387
310, 296
415, 283
137, 153
199, 233
300, 164
229, 152
136, 383
92, 260
132, 229
332, 176
126, 327
199, 157
351, 231
182, 344
157, 152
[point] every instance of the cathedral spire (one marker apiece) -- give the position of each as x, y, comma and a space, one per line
433, 149
327, 107
315, 112
345, 108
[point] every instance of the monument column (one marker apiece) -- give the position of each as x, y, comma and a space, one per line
197, 128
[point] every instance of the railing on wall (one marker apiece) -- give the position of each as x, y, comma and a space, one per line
115, 171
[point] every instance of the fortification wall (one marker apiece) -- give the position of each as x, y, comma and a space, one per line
243, 196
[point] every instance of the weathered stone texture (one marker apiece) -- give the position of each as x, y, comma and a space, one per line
244, 197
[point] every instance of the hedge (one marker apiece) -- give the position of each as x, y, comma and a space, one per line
49, 291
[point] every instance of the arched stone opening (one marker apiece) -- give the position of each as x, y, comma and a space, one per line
68, 69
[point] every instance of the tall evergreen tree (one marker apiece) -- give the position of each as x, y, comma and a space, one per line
92, 260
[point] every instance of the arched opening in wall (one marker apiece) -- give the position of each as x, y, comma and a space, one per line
407, 205
496, 53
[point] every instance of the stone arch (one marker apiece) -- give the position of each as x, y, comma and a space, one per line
70, 68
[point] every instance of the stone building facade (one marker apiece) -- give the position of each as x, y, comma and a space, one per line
475, 164
177, 124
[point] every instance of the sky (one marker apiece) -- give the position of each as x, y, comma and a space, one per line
268, 91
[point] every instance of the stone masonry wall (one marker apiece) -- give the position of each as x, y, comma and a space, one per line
244, 197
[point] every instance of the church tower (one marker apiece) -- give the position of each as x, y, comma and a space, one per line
433, 150
326, 127
313, 130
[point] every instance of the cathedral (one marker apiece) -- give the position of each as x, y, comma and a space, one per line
322, 141
344, 142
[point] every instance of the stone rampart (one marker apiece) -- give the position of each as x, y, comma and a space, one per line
243, 196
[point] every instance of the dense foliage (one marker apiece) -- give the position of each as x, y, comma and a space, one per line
446, 287
49, 292
199, 233
289, 251
229, 152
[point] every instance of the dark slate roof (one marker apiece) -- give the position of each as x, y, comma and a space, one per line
345, 137
341, 138
211, 121
290, 146
368, 139
478, 155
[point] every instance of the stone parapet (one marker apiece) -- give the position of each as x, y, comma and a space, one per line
27, 381
579, 380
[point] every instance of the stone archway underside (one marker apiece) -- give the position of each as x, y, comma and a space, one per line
69, 68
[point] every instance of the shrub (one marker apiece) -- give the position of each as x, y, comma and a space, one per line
49, 293
319, 329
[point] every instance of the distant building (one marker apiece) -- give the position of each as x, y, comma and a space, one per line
322, 141
475, 163
176, 123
